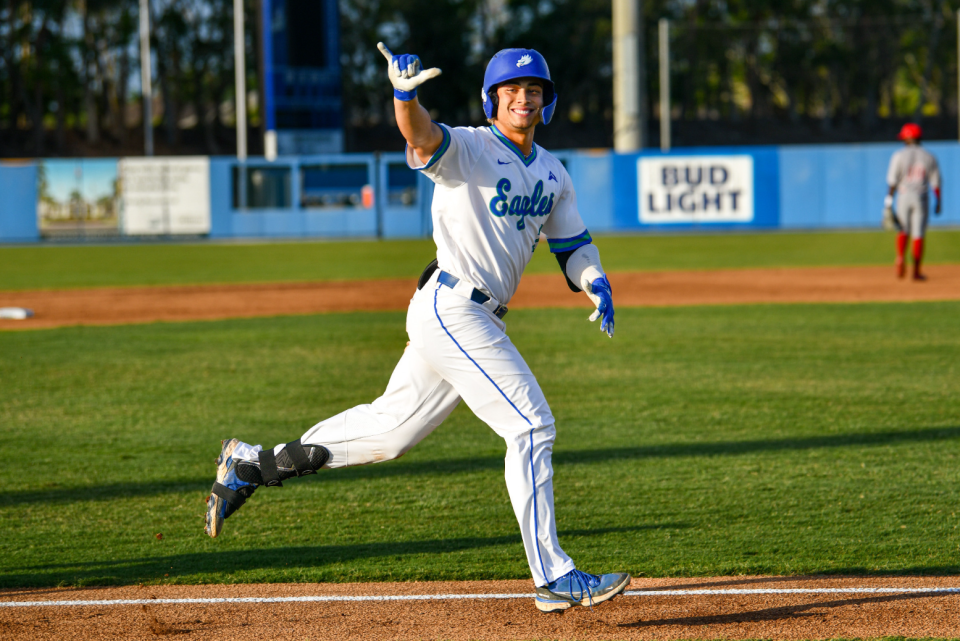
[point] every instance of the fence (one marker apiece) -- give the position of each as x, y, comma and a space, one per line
377, 196
343, 196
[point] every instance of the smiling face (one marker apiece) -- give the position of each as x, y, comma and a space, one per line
521, 103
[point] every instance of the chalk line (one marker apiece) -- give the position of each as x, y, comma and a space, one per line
454, 597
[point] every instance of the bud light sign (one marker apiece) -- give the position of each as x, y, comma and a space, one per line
696, 189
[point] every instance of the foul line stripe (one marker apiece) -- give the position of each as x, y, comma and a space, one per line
451, 597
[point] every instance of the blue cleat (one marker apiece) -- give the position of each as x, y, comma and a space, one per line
229, 491
579, 588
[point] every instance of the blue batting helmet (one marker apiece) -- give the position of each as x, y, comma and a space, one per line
510, 64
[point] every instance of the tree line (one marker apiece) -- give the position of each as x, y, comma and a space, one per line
742, 70
70, 69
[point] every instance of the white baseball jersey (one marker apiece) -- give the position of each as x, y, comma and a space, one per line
491, 203
913, 169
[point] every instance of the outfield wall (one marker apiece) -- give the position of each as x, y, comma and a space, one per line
18, 202
376, 195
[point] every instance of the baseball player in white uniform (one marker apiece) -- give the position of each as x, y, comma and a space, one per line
496, 191
913, 171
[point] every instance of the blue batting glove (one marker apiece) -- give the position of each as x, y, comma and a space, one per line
600, 288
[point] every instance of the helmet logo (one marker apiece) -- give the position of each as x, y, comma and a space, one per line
483, 95
524, 60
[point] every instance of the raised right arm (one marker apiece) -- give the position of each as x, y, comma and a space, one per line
422, 134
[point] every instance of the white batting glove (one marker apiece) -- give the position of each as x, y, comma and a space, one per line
405, 73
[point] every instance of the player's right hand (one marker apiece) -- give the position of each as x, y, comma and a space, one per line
889, 220
405, 73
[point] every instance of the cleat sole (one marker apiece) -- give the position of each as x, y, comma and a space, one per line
215, 505
557, 607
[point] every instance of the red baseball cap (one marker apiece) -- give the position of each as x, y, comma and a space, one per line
910, 131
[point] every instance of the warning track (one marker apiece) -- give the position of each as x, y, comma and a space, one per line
114, 306
806, 607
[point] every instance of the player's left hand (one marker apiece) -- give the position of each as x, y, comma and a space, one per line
937, 208
601, 294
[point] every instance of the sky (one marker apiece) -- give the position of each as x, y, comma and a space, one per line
93, 177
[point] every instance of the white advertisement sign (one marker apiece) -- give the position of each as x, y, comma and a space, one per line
165, 195
695, 189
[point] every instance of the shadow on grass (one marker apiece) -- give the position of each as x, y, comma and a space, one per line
487, 463
296, 559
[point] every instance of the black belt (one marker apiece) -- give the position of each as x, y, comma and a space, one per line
476, 295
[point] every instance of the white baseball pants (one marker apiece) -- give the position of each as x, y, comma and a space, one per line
913, 213
458, 349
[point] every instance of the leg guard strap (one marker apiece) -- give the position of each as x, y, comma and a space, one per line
293, 460
235, 499
268, 469
298, 457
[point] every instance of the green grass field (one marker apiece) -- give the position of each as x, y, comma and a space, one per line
51, 267
699, 441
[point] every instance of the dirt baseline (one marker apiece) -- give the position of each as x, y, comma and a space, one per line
724, 613
111, 306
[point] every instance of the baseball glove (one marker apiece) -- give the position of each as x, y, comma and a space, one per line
890, 221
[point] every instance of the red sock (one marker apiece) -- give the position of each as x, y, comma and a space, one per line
917, 253
901, 246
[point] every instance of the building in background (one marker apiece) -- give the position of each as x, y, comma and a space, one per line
302, 92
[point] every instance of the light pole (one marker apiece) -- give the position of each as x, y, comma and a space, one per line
629, 84
146, 78
664, 84
239, 63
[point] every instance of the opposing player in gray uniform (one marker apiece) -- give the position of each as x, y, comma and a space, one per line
913, 171
496, 191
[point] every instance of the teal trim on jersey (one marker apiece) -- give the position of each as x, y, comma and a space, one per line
444, 145
442, 149
527, 160
560, 245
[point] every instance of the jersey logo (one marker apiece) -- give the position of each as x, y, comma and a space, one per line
917, 174
553, 178
537, 204
500, 162
524, 60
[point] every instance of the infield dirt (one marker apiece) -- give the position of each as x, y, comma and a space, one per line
112, 306
726, 616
